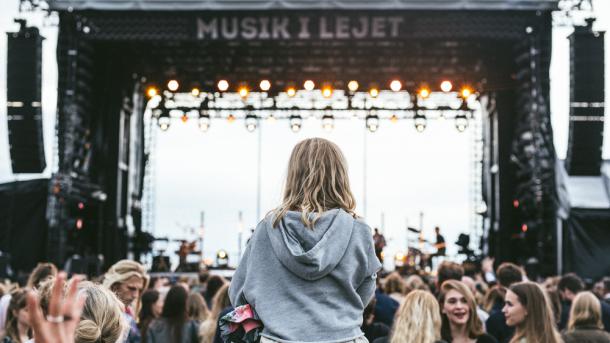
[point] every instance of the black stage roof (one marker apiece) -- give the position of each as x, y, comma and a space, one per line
195, 5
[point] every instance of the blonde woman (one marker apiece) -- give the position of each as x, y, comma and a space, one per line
102, 318
395, 287
528, 309
310, 267
220, 305
417, 320
459, 315
585, 324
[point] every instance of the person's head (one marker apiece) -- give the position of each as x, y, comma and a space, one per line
220, 301
17, 315
493, 296
317, 181
528, 310
417, 319
42, 272
174, 310
414, 282
437, 230
376, 231
458, 308
586, 311
394, 284
448, 270
152, 305
127, 279
508, 274
197, 308
102, 317
215, 282
569, 285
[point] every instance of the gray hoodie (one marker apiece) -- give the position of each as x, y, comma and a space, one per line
308, 285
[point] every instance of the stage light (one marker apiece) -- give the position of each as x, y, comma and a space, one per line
461, 122
271, 118
446, 86
328, 122
151, 92
420, 122
516, 203
195, 91
327, 91
524, 228
374, 92
173, 85
265, 85
291, 91
251, 122
164, 121
231, 118
372, 122
222, 259
79, 223
394, 118
395, 85
81, 206
223, 85
353, 86
295, 123
424, 92
204, 121
184, 117
309, 85
465, 92
243, 91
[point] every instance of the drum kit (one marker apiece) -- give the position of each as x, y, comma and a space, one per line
419, 250
189, 258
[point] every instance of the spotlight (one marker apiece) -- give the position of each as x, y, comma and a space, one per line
222, 259
327, 91
396, 86
243, 91
394, 118
309, 85
204, 121
151, 92
223, 85
374, 92
420, 122
265, 85
353, 86
446, 86
295, 122
328, 122
372, 122
231, 118
195, 91
424, 92
461, 122
164, 121
173, 85
291, 91
184, 117
251, 121
465, 92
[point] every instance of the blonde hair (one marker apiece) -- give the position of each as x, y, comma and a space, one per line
539, 324
317, 181
586, 310
123, 271
197, 308
102, 318
474, 325
417, 320
394, 284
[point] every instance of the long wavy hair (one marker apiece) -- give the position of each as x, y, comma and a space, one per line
539, 324
417, 320
473, 325
317, 181
586, 310
102, 317
175, 312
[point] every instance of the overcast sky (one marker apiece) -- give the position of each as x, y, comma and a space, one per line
407, 172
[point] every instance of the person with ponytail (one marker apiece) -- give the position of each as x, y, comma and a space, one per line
528, 310
309, 268
102, 318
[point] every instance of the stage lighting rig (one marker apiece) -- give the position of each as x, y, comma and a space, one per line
223, 85
251, 122
396, 86
295, 122
265, 85
446, 86
328, 122
372, 122
309, 85
353, 86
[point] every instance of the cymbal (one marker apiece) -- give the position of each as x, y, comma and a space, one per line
412, 229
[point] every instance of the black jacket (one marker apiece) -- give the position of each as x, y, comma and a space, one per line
496, 324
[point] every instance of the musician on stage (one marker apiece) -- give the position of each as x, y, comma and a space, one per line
379, 241
440, 243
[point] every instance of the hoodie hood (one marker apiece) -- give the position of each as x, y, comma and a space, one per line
311, 254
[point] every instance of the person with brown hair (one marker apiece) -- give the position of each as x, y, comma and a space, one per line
418, 320
17, 319
448, 270
221, 304
460, 322
395, 287
42, 272
197, 308
310, 262
585, 323
528, 310
152, 307
174, 324
507, 274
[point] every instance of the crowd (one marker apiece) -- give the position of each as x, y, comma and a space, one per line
310, 273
